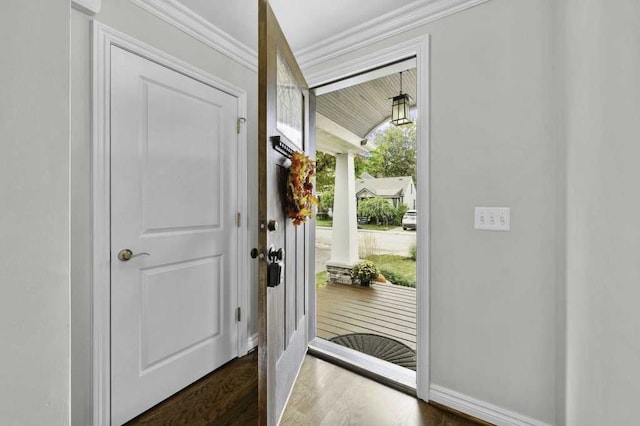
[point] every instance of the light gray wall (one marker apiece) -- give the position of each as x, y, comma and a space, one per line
136, 22
34, 213
603, 200
558, 99
493, 295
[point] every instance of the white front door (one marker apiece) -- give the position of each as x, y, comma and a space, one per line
173, 205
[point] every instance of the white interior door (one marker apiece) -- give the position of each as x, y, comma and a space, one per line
173, 205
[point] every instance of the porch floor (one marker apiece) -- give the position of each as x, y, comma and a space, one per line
382, 309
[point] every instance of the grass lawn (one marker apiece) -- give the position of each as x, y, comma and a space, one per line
324, 222
370, 226
374, 227
401, 265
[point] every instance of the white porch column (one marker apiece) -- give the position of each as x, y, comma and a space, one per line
344, 244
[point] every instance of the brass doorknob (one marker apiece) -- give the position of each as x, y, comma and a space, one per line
125, 255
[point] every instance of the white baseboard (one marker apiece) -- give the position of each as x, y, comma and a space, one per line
480, 409
252, 341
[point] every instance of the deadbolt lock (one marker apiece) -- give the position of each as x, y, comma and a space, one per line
276, 255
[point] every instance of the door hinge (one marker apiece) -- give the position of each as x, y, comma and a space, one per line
238, 314
238, 219
239, 123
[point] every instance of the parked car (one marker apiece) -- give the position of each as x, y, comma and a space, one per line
363, 220
409, 220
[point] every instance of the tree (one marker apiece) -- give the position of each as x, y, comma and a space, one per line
395, 153
325, 171
376, 207
399, 214
359, 165
326, 199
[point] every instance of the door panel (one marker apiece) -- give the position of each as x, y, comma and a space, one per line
173, 157
193, 197
291, 279
165, 293
284, 103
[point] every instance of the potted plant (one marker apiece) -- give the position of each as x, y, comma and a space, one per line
364, 272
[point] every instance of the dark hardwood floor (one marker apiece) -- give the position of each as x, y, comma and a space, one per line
324, 394
228, 396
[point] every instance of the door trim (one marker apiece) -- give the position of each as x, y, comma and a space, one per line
420, 48
103, 38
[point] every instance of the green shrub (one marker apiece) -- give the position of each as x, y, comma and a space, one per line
396, 278
365, 271
326, 199
378, 208
398, 214
321, 279
412, 251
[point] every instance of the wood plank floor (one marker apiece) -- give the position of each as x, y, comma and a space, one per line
324, 394
383, 309
328, 395
228, 396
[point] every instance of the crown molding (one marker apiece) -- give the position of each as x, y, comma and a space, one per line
322, 75
90, 7
186, 20
406, 18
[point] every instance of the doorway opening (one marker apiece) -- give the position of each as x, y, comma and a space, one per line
365, 238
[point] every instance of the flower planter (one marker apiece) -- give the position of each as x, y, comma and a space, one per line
364, 272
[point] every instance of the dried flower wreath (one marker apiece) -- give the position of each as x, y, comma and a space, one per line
300, 198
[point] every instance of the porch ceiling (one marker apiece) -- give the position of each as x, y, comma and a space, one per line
361, 108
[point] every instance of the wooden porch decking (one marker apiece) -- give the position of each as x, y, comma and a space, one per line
383, 309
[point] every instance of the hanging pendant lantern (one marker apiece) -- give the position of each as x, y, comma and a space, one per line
400, 109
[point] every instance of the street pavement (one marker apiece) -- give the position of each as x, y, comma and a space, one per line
394, 241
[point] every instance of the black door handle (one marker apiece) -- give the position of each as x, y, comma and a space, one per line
255, 253
276, 255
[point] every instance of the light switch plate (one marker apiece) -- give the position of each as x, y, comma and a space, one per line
492, 218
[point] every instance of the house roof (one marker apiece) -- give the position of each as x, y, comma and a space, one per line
382, 187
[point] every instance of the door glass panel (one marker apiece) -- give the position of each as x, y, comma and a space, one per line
289, 104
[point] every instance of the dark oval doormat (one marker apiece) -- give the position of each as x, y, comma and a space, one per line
380, 347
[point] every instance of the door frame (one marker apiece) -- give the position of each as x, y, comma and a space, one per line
103, 38
420, 48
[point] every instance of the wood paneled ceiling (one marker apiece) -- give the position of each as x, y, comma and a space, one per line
363, 107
